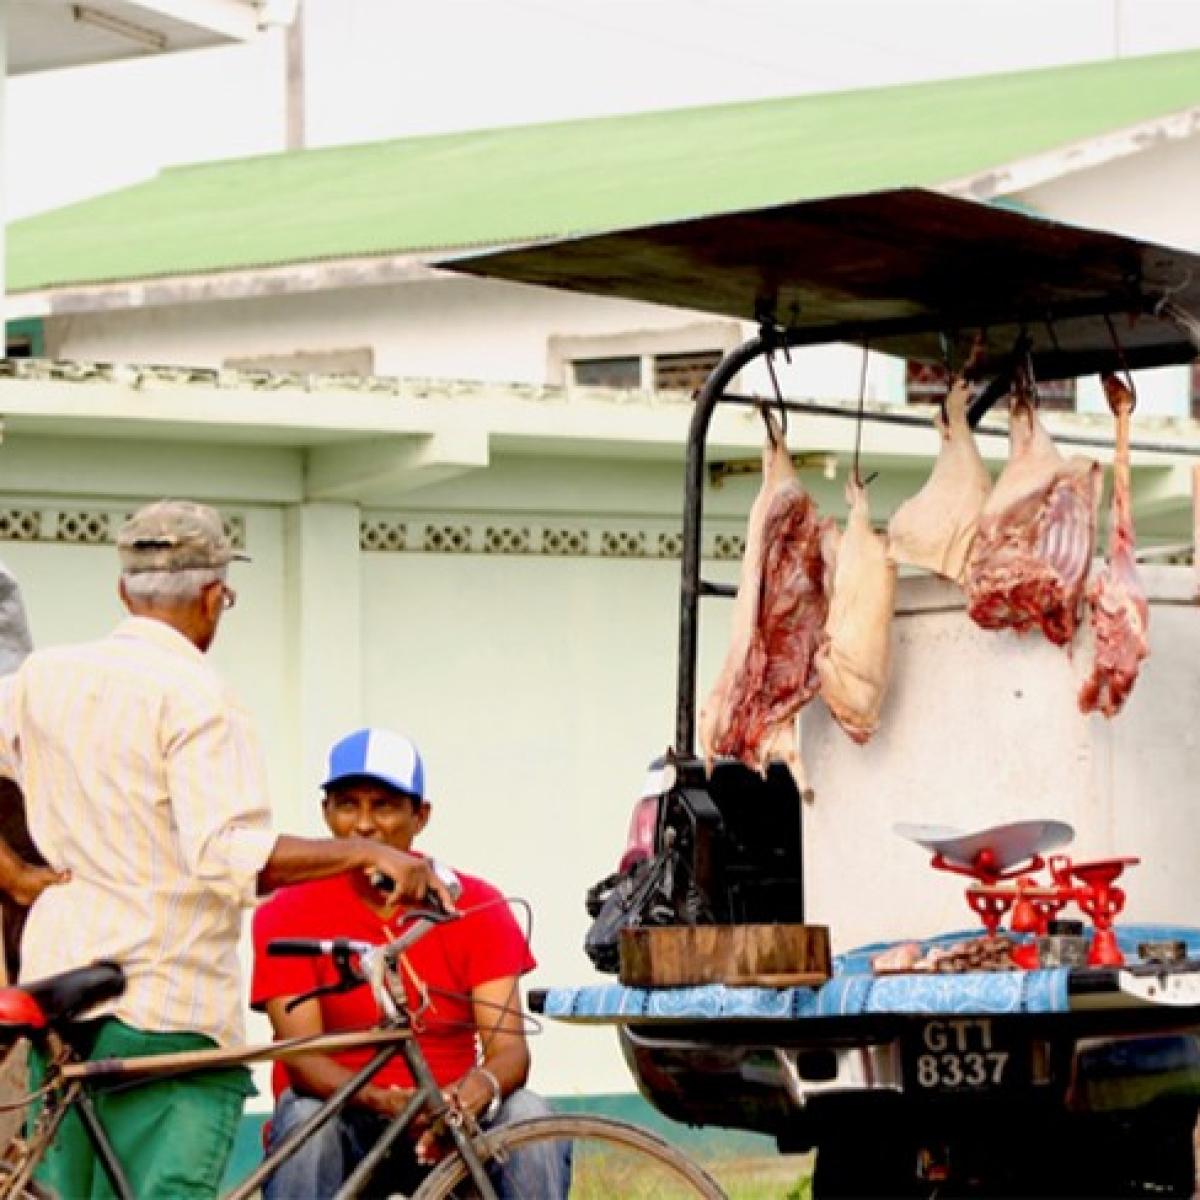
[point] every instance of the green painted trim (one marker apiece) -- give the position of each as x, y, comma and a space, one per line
247, 1150
33, 328
512, 185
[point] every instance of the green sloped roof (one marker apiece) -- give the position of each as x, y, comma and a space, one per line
517, 184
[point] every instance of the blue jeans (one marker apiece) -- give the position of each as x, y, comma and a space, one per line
323, 1163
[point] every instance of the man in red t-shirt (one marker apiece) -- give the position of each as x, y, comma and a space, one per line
473, 1032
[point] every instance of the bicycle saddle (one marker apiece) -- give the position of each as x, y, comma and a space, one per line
60, 998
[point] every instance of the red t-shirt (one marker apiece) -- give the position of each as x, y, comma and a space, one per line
484, 944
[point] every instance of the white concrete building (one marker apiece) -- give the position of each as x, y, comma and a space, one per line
451, 531
43, 35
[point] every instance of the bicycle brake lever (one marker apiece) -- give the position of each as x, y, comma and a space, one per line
453, 884
327, 989
347, 979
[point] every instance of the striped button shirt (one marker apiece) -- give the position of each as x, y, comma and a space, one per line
143, 777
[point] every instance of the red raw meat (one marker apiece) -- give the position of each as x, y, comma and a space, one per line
1117, 606
1033, 549
778, 624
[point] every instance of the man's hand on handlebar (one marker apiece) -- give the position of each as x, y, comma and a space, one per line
412, 878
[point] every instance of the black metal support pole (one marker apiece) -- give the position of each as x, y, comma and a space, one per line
86, 1109
693, 511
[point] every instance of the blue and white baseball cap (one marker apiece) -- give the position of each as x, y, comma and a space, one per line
378, 754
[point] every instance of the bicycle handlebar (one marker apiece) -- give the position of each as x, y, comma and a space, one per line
373, 963
445, 875
315, 947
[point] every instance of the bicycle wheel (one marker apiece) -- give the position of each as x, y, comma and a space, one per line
609, 1159
31, 1191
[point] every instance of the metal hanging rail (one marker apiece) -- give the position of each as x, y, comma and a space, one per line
713, 392
814, 408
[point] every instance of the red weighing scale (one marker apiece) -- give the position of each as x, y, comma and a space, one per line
1003, 860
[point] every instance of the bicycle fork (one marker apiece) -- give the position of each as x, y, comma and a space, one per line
451, 1118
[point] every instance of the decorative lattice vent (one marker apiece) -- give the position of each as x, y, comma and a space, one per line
20, 525
728, 545
448, 539
85, 526
623, 543
379, 534
505, 539
582, 539
88, 528
670, 545
235, 531
571, 542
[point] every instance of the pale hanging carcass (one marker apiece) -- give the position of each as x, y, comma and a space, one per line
1117, 607
934, 529
1032, 551
778, 624
854, 662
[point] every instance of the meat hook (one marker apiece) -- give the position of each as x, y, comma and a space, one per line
1024, 381
1112, 333
764, 410
947, 365
1049, 323
862, 398
1168, 292
783, 415
1167, 308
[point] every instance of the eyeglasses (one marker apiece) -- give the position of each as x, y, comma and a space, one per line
228, 596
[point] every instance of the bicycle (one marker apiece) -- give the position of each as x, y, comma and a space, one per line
610, 1158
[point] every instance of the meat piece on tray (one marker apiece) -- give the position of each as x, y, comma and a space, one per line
855, 661
934, 529
1033, 549
778, 624
1117, 606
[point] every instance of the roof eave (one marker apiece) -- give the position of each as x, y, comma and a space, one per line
1024, 173
243, 284
324, 274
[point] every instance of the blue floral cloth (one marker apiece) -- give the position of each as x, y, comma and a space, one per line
853, 990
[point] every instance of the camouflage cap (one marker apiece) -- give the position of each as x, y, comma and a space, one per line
175, 535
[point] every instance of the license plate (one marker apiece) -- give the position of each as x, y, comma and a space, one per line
963, 1054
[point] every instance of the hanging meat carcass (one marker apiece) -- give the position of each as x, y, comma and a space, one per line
854, 662
1117, 606
934, 529
1031, 555
778, 624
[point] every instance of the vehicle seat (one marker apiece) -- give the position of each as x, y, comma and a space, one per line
58, 999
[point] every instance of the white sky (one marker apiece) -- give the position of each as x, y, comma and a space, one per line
389, 68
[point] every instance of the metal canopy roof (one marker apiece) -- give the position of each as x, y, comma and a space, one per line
900, 268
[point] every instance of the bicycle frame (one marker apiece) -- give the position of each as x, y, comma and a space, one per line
392, 1037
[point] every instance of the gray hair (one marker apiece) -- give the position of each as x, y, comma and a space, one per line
170, 589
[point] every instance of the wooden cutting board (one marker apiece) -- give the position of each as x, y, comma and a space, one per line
737, 955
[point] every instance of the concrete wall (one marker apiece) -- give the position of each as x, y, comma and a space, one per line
446, 328
461, 328
980, 728
497, 332
1149, 195
538, 685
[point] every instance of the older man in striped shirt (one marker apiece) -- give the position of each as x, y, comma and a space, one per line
145, 789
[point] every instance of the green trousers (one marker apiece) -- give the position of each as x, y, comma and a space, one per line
172, 1137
